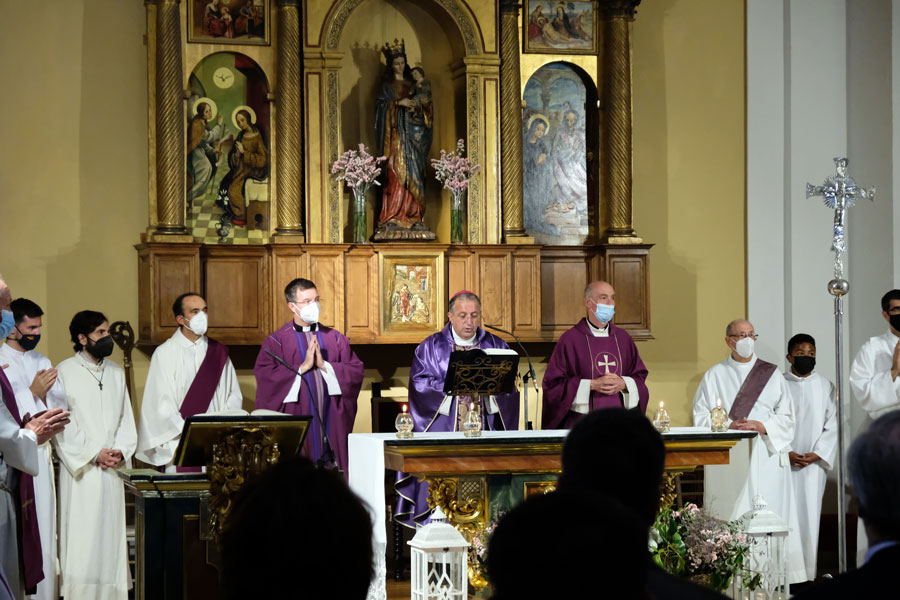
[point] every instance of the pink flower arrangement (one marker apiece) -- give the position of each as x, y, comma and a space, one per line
454, 170
358, 169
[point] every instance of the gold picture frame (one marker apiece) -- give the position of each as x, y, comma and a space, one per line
229, 22
411, 294
560, 27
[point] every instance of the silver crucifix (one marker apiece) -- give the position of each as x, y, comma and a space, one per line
840, 193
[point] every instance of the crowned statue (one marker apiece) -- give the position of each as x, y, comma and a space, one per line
404, 126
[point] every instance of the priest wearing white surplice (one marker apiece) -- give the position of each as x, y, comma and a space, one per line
815, 441
875, 374
756, 398
37, 388
100, 439
189, 374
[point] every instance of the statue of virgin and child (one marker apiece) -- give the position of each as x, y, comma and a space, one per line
404, 126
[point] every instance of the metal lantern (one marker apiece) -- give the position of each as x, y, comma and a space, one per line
767, 533
439, 561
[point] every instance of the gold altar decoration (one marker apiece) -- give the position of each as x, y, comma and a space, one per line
482, 375
511, 122
236, 457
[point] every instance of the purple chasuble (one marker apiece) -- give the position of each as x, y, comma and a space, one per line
750, 390
426, 392
30, 537
581, 355
203, 388
273, 382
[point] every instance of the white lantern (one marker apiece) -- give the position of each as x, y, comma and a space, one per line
767, 533
439, 558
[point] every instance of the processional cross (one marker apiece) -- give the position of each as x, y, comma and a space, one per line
840, 193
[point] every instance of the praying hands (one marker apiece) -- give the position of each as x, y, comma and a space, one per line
313, 357
608, 384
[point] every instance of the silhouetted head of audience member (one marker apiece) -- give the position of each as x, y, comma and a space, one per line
874, 466
297, 532
565, 544
616, 452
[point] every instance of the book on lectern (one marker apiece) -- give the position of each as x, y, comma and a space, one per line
481, 372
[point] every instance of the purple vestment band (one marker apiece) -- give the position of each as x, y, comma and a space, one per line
750, 390
32, 558
203, 388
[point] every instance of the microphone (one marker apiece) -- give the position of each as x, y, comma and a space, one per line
327, 460
530, 373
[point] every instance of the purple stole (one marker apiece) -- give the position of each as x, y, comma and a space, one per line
203, 388
750, 390
30, 536
316, 393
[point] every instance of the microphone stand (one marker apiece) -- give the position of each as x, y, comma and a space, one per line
530, 374
327, 460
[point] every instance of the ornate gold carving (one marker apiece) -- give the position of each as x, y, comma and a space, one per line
463, 500
289, 158
510, 121
170, 121
482, 376
473, 111
237, 456
618, 116
334, 207
669, 488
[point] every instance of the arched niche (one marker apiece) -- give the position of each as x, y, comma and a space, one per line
443, 37
560, 153
229, 82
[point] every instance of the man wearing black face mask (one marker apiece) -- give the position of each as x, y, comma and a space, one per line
36, 388
101, 438
815, 441
875, 374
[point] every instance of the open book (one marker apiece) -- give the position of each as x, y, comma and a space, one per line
240, 412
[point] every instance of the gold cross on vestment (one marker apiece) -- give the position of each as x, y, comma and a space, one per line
605, 362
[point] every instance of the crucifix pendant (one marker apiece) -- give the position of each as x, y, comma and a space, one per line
100, 383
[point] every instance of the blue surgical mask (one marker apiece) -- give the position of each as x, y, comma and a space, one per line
604, 312
7, 324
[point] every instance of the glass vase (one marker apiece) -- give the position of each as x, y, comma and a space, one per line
456, 218
359, 215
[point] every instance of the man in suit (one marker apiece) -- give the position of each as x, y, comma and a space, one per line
617, 452
874, 465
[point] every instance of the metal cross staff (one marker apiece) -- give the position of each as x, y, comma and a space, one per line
840, 193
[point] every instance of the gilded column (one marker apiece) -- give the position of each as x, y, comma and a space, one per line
170, 120
617, 16
510, 123
288, 126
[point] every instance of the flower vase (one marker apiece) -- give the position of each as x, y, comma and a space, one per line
456, 218
359, 215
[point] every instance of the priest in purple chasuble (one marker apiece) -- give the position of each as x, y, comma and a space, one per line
331, 374
756, 398
432, 410
594, 365
190, 374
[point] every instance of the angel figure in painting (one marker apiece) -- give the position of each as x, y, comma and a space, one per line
202, 148
248, 159
403, 133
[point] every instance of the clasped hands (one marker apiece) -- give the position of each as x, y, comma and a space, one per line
313, 357
803, 460
108, 458
608, 384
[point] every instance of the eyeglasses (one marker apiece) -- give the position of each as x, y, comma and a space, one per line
307, 302
741, 336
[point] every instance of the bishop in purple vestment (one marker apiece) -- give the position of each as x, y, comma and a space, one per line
331, 374
594, 365
432, 411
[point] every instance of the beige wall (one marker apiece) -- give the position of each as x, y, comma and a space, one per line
74, 177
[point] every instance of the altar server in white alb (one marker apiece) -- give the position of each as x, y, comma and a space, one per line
37, 388
875, 374
100, 439
189, 374
756, 398
815, 441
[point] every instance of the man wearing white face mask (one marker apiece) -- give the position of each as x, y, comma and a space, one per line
331, 375
189, 374
756, 397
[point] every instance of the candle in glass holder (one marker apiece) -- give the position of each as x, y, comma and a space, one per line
404, 424
718, 418
472, 422
661, 419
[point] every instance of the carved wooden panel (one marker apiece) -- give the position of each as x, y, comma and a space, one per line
626, 268
462, 267
564, 274
494, 283
235, 281
164, 273
287, 263
326, 270
526, 291
361, 305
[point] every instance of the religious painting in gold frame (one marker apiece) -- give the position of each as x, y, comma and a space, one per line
228, 22
559, 27
411, 292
